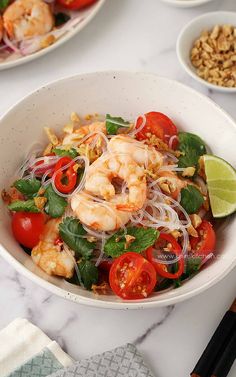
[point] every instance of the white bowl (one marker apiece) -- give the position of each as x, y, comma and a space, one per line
127, 95
186, 3
191, 32
86, 15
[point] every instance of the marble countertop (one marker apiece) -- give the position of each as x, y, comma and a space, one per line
129, 35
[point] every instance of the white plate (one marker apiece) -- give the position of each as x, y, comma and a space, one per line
127, 95
86, 16
186, 3
191, 32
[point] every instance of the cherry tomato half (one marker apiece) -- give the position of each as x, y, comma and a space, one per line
204, 244
27, 228
159, 125
132, 276
65, 180
176, 249
75, 4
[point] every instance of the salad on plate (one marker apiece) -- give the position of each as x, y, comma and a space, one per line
27, 26
118, 206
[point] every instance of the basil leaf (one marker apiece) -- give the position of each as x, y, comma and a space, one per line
23, 206
63, 152
55, 206
191, 199
3, 4
28, 187
71, 231
89, 273
61, 18
192, 147
117, 244
114, 123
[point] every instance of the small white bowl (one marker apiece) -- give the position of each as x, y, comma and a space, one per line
191, 32
186, 3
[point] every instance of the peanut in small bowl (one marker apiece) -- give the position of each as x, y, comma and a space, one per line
206, 48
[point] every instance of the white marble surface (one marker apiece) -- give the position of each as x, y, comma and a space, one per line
130, 35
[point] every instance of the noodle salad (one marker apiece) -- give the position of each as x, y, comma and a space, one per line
27, 26
112, 205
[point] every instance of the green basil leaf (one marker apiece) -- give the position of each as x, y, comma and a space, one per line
3, 4
23, 206
89, 273
144, 238
55, 206
191, 199
28, 187
114, 123
65, 153
71, 231
61, 18
192, 147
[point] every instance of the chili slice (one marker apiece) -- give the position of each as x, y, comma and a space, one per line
65, 180
160, 268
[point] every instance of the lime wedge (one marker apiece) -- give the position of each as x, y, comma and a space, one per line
221, 183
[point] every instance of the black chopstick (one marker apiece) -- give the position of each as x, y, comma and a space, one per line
226, 360
217, 346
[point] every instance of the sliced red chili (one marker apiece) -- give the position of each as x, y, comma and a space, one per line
65, 180
161, 268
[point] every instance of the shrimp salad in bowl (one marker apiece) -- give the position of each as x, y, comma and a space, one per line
120, 206
28, 26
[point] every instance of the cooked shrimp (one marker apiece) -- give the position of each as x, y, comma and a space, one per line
49, 256
1, 28
108, 167
27, 18
102, 216
143, 154
74, 139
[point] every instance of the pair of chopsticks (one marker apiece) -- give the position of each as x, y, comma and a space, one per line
220, 353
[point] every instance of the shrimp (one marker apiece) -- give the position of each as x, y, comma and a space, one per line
75, 138
27, 18
49, 256
98, 214
143, 154
108, 167
1, 28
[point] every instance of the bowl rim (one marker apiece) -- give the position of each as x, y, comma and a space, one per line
70, 34
187, 4
137, 304
183, 62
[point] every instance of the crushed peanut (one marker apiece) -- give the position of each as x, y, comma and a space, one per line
189, 172
214, 56
128, 240
195, 220
40, 202
192, 232
51, 136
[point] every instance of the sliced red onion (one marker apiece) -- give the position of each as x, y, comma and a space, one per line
10, 43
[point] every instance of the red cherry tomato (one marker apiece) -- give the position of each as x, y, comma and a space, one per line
204, 244
65, 180
27, 228
176, 249
132, 276
75, 4
159, 125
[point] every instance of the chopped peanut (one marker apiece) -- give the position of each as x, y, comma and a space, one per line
195, 220
192, 232
128, 240
189, 172
40, 202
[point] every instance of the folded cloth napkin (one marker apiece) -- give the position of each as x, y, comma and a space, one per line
123, 361
25, 351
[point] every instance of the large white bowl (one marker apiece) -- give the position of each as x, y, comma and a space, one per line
85, 16
127, 95
191, 32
